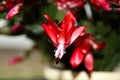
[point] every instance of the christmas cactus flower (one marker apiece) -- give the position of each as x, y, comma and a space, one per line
82, 52
67, 34
64, 35
106, 4
101, 4
68, 4
15, 6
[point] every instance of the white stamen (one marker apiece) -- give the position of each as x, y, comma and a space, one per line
60, 51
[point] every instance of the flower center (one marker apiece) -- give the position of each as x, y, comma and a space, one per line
60, 51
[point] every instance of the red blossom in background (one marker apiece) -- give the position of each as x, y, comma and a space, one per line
15, 60
106, 4
67, 34
82, 52
15, 10
15, 6
68, 4
101, 4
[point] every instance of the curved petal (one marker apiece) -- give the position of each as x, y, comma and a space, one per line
77, 32
96, 4
68, 32
15, 10
89, 62
51, 33
105, 4
99, 45
69, 20
67, 25
76, 58
54, 25
77, 3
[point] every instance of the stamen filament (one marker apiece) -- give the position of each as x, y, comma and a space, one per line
60, 51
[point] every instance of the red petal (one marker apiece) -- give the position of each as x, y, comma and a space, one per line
83, 42
96, 4
15, 60
69, 20
99, 45
69, 17
77, 3
54, 25
15, 10
76, 58
51, 33
76, 33
105, 4
89, 62
67, 25
68, 32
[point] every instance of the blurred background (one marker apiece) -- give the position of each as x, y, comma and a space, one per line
23, 36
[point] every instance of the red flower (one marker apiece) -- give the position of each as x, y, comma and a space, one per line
67, 4
67, 34
64, 35
106, 4
15, 6
101, 4
15, 10
82, 52
15, 60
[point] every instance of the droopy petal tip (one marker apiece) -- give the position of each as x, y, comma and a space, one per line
15, 10
76, 58
89, 62
47, 16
